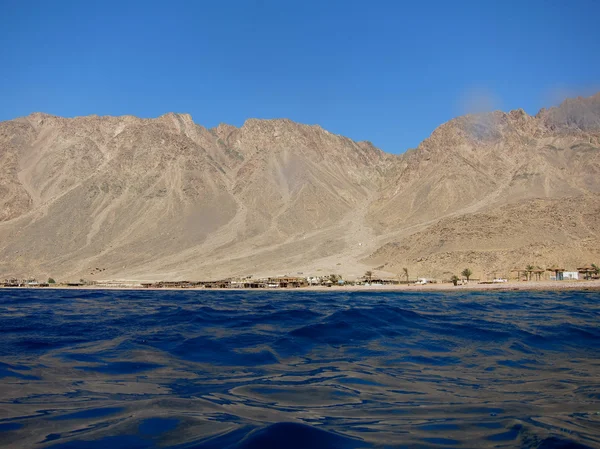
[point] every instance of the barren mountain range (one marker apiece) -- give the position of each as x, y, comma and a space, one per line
147, 199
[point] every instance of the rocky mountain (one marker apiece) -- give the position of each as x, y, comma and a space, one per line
128, 198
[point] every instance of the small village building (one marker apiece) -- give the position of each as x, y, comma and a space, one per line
12, 282
176, 284
248, 283
226, 283
384, 281
287, 282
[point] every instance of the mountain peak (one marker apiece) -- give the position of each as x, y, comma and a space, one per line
580, 113
177, 115
163, 197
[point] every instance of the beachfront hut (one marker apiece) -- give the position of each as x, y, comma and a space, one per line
558, 272
518, 271
538, 272
587, 271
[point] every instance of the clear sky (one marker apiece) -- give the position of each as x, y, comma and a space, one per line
384, 71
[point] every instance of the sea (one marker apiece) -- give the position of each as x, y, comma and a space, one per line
296, 369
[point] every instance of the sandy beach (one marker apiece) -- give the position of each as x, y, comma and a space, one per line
528, 285
471, 286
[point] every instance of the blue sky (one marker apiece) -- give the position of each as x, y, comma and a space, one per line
384, 71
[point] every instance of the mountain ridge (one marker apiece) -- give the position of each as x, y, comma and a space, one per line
141, 198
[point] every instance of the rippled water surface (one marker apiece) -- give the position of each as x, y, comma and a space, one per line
210, 369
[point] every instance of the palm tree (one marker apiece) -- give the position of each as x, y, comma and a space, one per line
369, 275
454, 279
405, 270
596, 269
467, 273
529, 269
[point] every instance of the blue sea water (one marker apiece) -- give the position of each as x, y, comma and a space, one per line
297, 369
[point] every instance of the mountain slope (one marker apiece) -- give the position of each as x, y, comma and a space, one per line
539, 232
126, 196
479, 161
450, 198
123, 197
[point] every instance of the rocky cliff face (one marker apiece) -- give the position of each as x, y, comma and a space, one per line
484, 160
123, 197
496, 191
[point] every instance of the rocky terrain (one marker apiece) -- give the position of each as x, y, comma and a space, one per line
128, 198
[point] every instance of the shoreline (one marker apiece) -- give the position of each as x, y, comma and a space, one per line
508, 286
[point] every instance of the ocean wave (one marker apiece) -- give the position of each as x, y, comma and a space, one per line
203, 369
